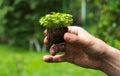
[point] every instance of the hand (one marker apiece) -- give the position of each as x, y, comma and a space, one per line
80, 48
84, 50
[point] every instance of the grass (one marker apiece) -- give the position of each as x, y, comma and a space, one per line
19, 62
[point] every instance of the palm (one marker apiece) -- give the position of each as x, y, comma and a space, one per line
78, 56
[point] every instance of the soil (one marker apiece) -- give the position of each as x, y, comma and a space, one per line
55, 35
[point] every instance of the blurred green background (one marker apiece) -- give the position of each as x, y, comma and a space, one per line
21, 36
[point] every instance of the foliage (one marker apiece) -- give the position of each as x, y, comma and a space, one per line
19, 20
106, 15
110, 21
74, 7
56, 20
15, 62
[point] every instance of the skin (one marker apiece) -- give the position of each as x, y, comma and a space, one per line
85, 50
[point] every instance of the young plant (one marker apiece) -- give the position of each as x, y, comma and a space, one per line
56, 24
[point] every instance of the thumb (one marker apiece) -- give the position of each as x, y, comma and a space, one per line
71, 38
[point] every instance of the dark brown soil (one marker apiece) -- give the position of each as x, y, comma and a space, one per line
55, 35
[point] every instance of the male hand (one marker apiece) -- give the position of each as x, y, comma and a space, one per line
80, 48
84, 50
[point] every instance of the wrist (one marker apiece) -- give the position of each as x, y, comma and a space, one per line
111, 64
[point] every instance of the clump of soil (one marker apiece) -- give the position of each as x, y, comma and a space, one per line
55, 35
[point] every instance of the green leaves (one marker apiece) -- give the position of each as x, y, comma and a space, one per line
56, 20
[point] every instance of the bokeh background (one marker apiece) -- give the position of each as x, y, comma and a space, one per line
21, 35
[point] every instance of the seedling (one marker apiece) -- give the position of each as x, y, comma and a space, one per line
56, 24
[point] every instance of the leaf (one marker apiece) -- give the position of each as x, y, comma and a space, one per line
56, 20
